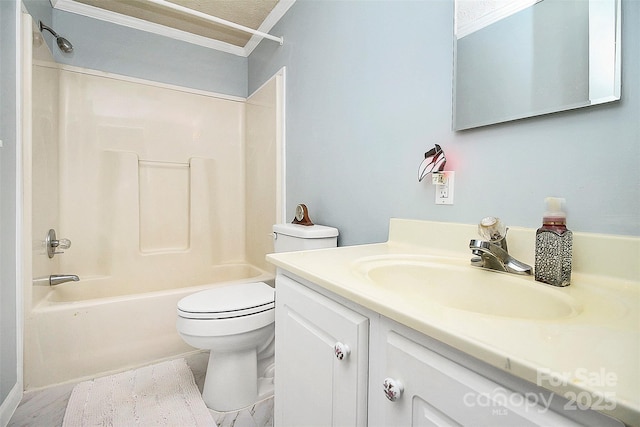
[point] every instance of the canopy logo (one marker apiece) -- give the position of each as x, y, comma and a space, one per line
604, 398
502, 401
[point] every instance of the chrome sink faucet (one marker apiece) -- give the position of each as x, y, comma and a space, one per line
493, 253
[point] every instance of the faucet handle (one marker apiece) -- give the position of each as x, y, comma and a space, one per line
64, 243
492, 229
52, 243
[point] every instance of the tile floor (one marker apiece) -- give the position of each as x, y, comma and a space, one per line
46, 407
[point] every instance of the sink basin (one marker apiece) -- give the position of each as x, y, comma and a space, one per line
453, 283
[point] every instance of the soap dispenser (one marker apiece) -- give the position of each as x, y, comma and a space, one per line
554, 243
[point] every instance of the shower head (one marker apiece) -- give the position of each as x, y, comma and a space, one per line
64, 44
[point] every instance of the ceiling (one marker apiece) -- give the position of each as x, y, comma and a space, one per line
158, 18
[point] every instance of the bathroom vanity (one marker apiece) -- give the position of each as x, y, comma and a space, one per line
408, 333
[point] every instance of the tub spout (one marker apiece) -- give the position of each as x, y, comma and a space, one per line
56, 279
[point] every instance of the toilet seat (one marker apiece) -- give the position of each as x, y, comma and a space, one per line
227, 302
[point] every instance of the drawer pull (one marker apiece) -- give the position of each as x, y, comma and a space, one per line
392, 389
341, 350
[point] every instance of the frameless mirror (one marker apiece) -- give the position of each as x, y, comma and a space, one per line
525, 60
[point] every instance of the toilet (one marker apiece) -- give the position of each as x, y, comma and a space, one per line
236, 323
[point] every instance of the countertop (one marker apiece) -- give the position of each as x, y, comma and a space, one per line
592, 353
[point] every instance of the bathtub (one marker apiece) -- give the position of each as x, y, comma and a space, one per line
89, 328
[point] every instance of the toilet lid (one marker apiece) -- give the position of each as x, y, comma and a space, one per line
228, 301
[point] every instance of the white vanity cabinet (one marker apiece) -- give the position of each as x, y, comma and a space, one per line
426, 389
413, 385
321, 360
395, 376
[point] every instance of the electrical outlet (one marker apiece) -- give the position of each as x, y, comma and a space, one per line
444, 192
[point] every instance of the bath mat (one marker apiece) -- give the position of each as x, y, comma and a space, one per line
158, 395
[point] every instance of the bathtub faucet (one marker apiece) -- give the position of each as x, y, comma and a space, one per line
56, 279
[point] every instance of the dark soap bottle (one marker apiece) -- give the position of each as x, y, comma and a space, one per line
554, 246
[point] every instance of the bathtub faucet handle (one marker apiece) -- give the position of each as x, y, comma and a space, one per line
53, 243
64, 243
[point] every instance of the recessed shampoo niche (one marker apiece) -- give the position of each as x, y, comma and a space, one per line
164, 193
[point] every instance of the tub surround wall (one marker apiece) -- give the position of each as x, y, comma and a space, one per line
41, 164
160, 172
263, 141
148, 182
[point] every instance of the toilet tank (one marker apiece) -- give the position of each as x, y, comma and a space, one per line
296, 237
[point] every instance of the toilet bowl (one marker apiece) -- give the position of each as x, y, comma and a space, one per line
236, 323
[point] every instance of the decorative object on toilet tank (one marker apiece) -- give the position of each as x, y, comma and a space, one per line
554, 245
302, 216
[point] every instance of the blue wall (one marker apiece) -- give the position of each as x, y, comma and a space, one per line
108, 47
104, 46
369, 89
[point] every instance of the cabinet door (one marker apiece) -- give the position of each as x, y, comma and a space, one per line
313, 385
440, 392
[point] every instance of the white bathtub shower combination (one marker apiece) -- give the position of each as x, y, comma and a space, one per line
74, 336
156, 188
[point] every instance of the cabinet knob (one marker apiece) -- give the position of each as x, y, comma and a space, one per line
341, 350
392, 389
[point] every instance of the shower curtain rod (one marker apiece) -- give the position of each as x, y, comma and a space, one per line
217, 20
